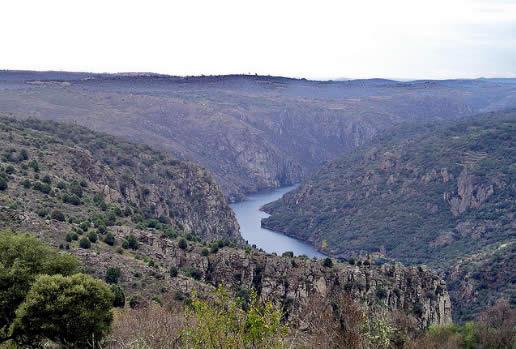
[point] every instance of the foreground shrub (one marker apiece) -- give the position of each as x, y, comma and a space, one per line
222, 323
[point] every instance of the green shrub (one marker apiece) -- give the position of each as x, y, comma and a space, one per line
71, 199
58, 216
182, 244
26, 184
118, 296
132, 243
42, 187
46, 179
109, 239
112, 275
205, 252
288, 254
173, 271
34, 165
10, 170
92, 236
85, 243
328, 262
3, 184
256, 326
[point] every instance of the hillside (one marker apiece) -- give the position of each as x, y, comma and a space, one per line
120, 206
89, 176
442, 196
250, 132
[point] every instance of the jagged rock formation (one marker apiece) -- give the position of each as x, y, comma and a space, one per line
295, 282
251, 132
438, 195
126, 176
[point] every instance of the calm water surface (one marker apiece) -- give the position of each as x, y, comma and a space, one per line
249, 217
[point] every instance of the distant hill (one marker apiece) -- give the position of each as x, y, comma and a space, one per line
251, 132
437, 195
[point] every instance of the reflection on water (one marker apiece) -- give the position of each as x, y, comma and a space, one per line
249, 217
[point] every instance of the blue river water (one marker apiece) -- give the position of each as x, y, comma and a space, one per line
249, 217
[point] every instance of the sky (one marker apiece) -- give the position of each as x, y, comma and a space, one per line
319, 39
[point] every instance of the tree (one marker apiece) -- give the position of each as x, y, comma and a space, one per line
22, 258
70, 310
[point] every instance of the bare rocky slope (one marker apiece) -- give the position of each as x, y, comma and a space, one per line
439, 195
68, 185
250, 132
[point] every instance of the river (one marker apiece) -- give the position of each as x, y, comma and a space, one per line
249, 217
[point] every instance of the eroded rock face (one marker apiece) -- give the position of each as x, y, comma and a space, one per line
294, 282
471, 193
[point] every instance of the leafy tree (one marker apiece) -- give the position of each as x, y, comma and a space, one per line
70, 310
112, 275
22, 258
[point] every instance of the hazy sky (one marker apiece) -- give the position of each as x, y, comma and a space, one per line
313, 39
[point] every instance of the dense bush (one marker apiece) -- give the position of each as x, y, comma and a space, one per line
288, 254
113, 275
58, 216
71, 199
182, 244
132, 242
118, 296
328, 262
42, 187
85, 243
3, 184
173, 271
109, 239
92, 236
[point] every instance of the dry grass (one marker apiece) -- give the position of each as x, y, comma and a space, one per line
153, 327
